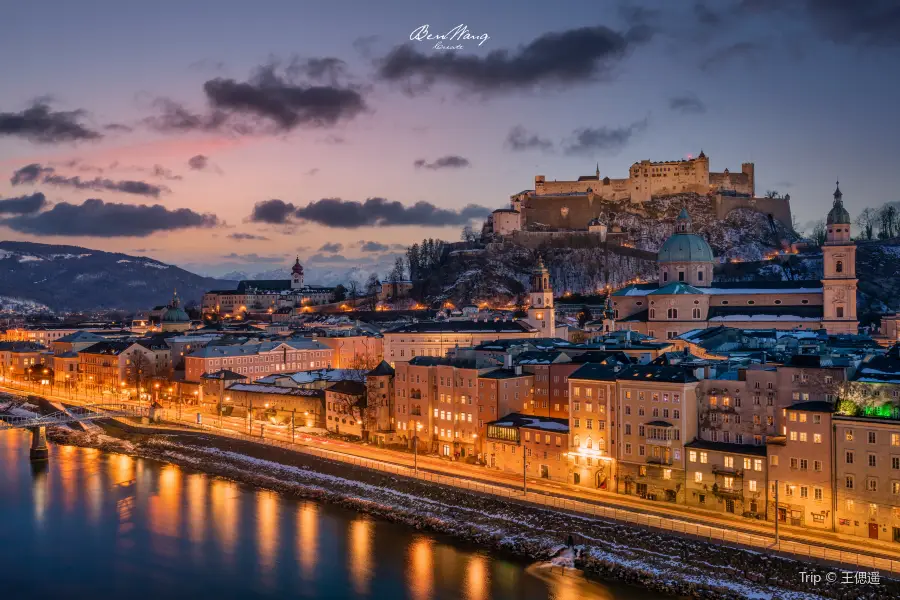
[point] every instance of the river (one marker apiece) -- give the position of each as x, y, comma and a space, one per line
90, 524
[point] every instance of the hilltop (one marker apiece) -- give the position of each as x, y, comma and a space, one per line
71, 278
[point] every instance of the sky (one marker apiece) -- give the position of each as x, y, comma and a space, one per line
224, 136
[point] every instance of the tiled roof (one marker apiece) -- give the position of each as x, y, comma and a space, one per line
463, 327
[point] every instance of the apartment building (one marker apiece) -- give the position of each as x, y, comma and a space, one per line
727, 477
354, 351
346, 409
540, 442
801, 470
259, 359
657, 415
867, 461
111, 366
811, 378
436, 338
592, 404
16, 357
739, 406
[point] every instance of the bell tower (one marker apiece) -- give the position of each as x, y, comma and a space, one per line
297, 275
839, 271
541, 314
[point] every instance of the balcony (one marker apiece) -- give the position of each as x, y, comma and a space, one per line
658, 442
659, 460
727, 493
731, 471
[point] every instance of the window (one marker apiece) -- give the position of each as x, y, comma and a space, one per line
695, 313
773, 460
672, 313
698, 477
704, 457
839, 266
839, 312
872, 484
895, 462
692, 456
757, 464
817, 465
752, 485
872, 460
848, 457
871, 437
848, 482
848, 435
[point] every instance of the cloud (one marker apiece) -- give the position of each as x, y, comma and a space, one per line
164, 173
23, 205
728, 54
312, 172
588, 140
330, 258
373, 247
558, 59
268, 102
118, 128
444, 162
198, 162
706, 16
255, 258
687, 104
238, 237
97, 218
42, 125
35, 173
520, 139
869, 23
374, 212
332, 247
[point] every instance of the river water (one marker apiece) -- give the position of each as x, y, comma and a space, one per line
97, 525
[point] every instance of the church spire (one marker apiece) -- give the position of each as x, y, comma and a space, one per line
837, 192
598, 171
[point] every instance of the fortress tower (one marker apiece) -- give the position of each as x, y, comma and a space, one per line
839, 271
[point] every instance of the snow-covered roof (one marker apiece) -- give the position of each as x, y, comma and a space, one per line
765, 317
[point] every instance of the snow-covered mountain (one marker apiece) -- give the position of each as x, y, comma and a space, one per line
71, 278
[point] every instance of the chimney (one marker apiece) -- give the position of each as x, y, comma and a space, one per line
507, 361
518, 369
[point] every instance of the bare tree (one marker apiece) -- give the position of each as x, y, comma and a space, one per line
138, 371
373, 286
818, 233
397, 274
353, 291
468, 234
866, 222
772, 194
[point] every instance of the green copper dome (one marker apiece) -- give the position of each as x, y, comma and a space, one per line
683, 245
175, 315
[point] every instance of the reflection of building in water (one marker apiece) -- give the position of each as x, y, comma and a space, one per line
360, 542
163, 509
225, 504
421, 568
196, 508
308, 540
266, 530
478, 580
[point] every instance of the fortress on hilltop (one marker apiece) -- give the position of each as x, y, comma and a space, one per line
576, 205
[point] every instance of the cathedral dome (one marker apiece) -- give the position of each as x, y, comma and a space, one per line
684, 246
175, 315
838, 215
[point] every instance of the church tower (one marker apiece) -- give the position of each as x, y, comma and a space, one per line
297, 275
540, 312
839, 271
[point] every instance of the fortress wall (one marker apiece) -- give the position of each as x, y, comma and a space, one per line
562, 212
779, 208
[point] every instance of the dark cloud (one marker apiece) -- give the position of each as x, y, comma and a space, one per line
373, 247
867, 23
444, 162
198, 162
35, 173
520, 139
118, 128
275, 212
687, 104
285, 103
97, 218
78, 165
239, 237
374, 212
42, 125
331, 247
330, 258
706, 16
587, 141
558, 59
23, 205
268, 102
255, 258
728, 54
164, 173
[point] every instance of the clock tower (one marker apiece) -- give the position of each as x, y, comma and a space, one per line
541, 312
839, 271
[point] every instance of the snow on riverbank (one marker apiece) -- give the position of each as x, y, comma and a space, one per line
661, 562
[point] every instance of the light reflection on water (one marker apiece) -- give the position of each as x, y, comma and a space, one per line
142, 529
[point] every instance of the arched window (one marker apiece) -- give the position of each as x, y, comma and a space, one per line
700, 275
839, 266
577, 441
672, 313
696, 313
590, 444
652, 313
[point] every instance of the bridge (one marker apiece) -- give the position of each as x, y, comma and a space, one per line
38, 424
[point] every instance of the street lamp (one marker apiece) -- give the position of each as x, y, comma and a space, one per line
416, 448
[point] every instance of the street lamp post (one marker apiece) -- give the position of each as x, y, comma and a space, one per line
416, 448
524, 471
777, 541
293, 414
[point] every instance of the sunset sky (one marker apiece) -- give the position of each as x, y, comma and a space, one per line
217, 110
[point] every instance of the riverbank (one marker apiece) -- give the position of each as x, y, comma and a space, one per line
667, 564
